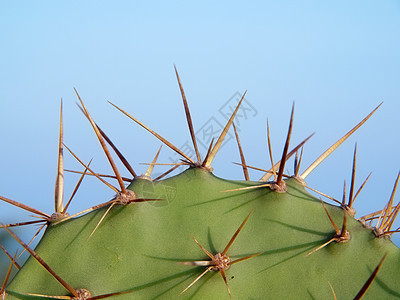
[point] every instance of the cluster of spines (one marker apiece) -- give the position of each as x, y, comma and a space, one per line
219, 262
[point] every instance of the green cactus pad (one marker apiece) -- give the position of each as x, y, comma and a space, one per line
140, 246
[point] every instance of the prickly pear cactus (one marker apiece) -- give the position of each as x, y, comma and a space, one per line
194, 235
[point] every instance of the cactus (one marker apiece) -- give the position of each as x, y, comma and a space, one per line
169, 236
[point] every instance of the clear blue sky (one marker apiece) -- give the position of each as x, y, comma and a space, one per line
336, 59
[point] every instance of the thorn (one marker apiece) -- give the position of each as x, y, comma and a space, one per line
85, 211
151, 166
204, 249
390, 215
101, 220
386, 212
353, 177
32, 239
59, 188
226, 282
285, 150
43, 263
83, 294
249, 187
223, 134
219, 262
91, 171
108, 140
100, 175
325, 195
320, 247
10, 257
344, 233
202, 263
344, 194
75, 189
23, 223
371, 216
270, 152
207, 155
103, 145
361, 187
183, 162
169, 171
155, 134
390, 232
296, 158
254, 168
110, 295
333, 292
53, 297
370, 280
236, 234
245, 170
298, 163
197, 279
244, 258
119, 154
391, 219
25, 207
340, 236
129, 198
188, 117
330, 219
276, 166
3, 288
336, 145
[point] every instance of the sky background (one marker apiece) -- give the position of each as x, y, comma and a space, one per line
336, 59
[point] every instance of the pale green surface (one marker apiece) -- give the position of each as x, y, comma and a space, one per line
138, 246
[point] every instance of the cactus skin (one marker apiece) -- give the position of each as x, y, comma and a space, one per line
138, 246
156, 239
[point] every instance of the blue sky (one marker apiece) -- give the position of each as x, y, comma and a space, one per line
336, 59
